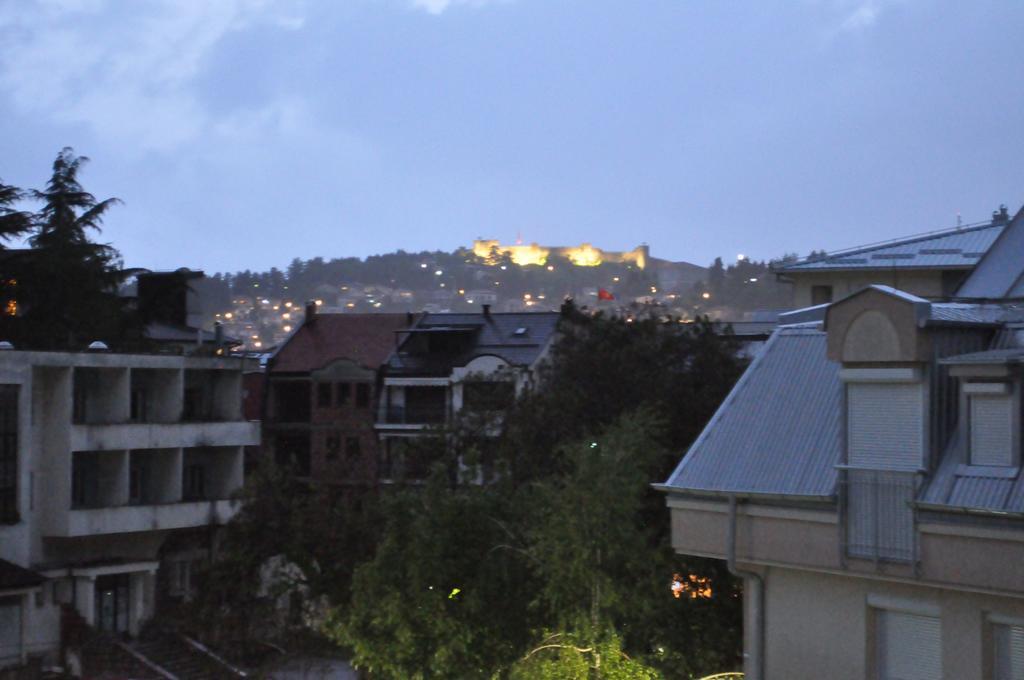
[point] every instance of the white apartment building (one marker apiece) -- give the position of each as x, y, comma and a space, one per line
114, 469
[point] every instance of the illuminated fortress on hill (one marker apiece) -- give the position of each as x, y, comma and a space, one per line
584, 255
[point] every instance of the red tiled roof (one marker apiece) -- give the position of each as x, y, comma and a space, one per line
366, 339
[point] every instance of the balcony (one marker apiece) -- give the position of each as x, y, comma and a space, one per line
134, 518
880, 515
164, 435
420, 416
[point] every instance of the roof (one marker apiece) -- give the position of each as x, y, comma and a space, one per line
13, 577
955, 485
778, 431
366, 339
494, 334
959, 248
1000, 273
1008, 355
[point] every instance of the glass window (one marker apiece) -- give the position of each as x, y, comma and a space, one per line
323, 395
1008, 652
341, 392
362, 395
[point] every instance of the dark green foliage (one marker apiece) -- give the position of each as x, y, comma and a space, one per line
13, 223
66, 286
570, 539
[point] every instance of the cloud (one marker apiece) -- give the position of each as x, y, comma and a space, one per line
439, 6
861, 17
126, 71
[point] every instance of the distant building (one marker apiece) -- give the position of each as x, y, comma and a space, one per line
584, 255
446, 362
322, 386
114, 470
864, 479
931, 265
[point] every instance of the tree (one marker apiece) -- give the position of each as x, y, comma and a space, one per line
13, 223
67, 284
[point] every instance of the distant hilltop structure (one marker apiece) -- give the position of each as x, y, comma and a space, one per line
584, 255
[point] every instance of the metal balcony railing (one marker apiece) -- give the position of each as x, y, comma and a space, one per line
880, 514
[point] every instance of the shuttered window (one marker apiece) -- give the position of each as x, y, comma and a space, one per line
991, 427
1009, 652
909, 646
885, 425
1008, 661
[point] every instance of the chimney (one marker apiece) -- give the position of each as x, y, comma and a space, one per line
218, 333
409, 318
487, 311
310, 311
1001, 216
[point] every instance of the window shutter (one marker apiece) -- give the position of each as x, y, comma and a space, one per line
885, 425
1009, 652
909, 646
991, 426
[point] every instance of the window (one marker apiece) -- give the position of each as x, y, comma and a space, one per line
78, 401
85, 480
8, 454
193, 404
136, 484
487, 395
885, 425
990, 423
10, 630
323, 395
138, 405
352, 448
333, 445
179, 578
341, 392
112, 598
194, 482
821, 295
362, 395
908, 646
292, 400
1007, 652
292, 451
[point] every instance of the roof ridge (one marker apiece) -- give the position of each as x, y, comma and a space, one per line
905, 240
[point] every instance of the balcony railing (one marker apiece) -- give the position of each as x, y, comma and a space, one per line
414, 415
880, 514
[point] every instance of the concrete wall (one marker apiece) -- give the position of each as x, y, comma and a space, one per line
822, 625
926, 283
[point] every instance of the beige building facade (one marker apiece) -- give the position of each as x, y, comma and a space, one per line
114, 471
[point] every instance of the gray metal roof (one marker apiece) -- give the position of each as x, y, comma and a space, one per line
958, 248
957, 486
1001, 272
778, 431
1006, 355
493, 334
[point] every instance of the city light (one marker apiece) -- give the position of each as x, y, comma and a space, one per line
287, 304
615, 279
318, 302
438, 272
287, 329
286, 315
550, 268
423, 265
705, 295
229, 315
741, 257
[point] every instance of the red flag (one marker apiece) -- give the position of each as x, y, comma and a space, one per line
602, 294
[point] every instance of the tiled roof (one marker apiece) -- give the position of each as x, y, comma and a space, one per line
494, 334
778, 431
366, 339
950, 249
13, 577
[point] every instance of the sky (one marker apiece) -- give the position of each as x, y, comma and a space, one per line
243, 133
